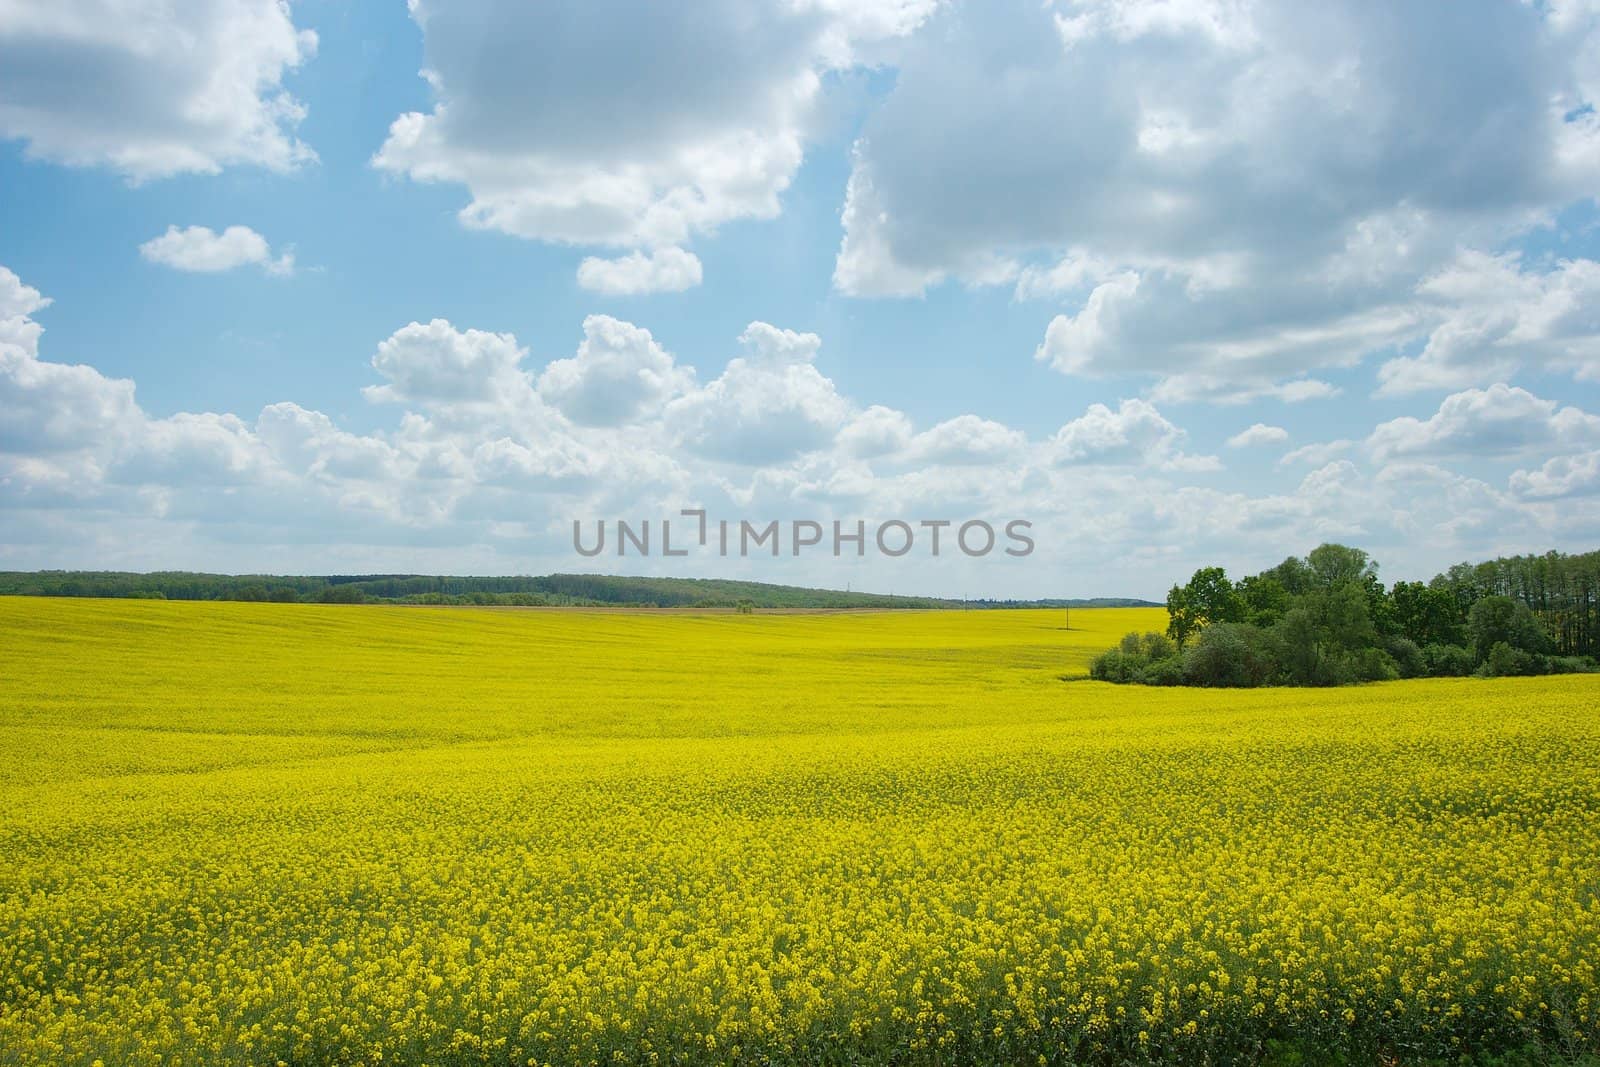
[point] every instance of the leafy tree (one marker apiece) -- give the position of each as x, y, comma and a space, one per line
1334, 565
1426, 614
1327, 620
1208, 598
1342, 616
1500, 620
1265, 599
1293, 574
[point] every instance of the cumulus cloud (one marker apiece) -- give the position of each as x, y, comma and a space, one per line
1501, 420
665, 270
1226, 198
201, 250
491, 457
1136, 433
1496, 316
767, 406
966, 440
434, 365
1258, 434
152, 90
1563, 476
619, 372
626, 126
877, 431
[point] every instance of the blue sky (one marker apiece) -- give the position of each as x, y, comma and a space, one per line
305, 309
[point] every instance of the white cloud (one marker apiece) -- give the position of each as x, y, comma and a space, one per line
618, 374
876, 431
16, 299
626, 126
1229, 197
153, 90
1499, 421
1563, 476
967, 440
435, 366
201, 250
665, 270
1134, 434
1316, 455
768, 406
1258, 434
483, 470
1495, 317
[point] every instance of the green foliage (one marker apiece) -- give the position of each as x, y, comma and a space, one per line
1427, 615
1266, 601
1327, 620
1407, 657
1447, 661
1208, 598
1498, 620
1150, 659
1232, 654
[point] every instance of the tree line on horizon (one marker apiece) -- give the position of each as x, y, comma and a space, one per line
1326, 619
551, 590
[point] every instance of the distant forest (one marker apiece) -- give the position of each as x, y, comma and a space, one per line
1327, 620
552, 590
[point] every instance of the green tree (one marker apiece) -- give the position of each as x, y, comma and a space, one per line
1428, 615
1266, 601
1333, 565
1208, 598
1500, 620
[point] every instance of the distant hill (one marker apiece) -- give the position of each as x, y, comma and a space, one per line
552, 590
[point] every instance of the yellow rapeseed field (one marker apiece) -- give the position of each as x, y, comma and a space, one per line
284, 834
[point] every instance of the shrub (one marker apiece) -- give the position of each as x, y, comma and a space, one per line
1447, 661
1148, 658
1503, 661
1167, 671
1407, 656
1373, 665
1113, 665
1149, 647
1230, 654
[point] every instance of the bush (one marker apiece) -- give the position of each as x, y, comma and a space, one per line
1372, 665
1447, 661
1407, 656
1232, 655
1503, 661
1167, 671
1113, 665
1134, 658
1149, 647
